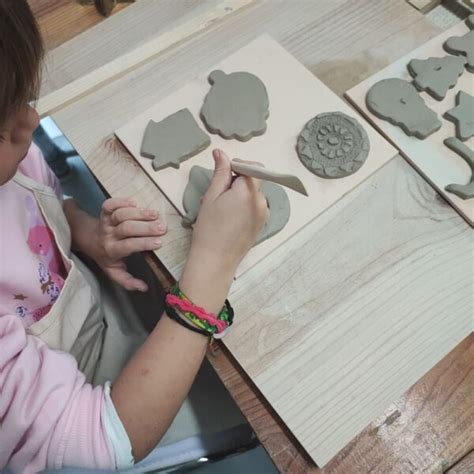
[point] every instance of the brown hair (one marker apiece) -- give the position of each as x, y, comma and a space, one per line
21, 53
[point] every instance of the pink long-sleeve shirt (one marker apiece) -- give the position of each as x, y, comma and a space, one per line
49, 416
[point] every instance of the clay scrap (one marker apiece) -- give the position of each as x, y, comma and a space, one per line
278, 202
464, 46
464, 191
333, 145
173, 140
462, 115
237, 106
398, 102
436, 75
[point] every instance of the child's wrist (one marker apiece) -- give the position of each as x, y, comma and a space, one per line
206, 282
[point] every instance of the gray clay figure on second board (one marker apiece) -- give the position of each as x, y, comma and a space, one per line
278, 202
462, 115
173, 140
463, 46
398, 102
333, 145
436, 75
464, 191
237, 106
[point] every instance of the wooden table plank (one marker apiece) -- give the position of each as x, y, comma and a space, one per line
62, 20
361, 60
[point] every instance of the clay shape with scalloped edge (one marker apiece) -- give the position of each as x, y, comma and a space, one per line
464, 46
173, 140
333, 145
462, 115
436, 75
398, 102
464, 191
278, 202
237, 106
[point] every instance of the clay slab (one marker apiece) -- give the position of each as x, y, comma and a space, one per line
462, 115
431, 157
236, 105
173, 140
464, 46
277, 199
397, 101
267, 60
436, 75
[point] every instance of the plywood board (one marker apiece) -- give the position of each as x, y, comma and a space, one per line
361, 303
437, 163
295, 97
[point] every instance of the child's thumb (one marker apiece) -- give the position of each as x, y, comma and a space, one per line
222, 177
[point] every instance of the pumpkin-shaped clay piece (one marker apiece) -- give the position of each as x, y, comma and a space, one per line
237, 106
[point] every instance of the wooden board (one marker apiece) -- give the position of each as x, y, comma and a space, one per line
348, 320
290, 109
437, 163
428, 429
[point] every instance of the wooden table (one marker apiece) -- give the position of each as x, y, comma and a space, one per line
430, 428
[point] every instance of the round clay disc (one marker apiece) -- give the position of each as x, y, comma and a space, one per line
333, 145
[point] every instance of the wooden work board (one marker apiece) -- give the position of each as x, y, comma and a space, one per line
440, 165
295, 97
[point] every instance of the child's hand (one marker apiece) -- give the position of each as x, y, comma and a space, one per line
231, 216
125, 229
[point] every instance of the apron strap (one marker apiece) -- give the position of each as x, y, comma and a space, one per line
31, 184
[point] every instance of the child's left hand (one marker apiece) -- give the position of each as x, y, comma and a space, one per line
124, 229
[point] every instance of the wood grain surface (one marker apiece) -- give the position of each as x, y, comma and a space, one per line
356, 48
429, 429
61, 20
342, 320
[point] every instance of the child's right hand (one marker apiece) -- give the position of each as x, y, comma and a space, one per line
231, 216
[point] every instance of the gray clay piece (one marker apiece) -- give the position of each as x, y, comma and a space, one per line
278, 202
398, 102
333, 145
462, 115
237, 106
464, 191
464, 46
173, 140
470, 21
436, 75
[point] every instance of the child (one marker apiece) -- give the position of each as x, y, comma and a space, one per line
51, 322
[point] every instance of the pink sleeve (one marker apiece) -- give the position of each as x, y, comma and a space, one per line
49, 416
35, 167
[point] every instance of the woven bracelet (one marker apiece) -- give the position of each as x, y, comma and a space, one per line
214, 325
172, 314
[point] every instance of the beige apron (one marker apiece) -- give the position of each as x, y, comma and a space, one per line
75, 323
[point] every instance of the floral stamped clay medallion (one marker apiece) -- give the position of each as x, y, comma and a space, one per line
333, 145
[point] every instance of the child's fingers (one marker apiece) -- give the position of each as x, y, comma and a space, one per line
129, 229
123, 248
133, 214
222, 177
126, 280
112, 204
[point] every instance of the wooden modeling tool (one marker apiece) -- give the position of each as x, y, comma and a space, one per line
259, 172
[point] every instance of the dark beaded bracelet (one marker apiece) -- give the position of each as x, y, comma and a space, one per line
172, 314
